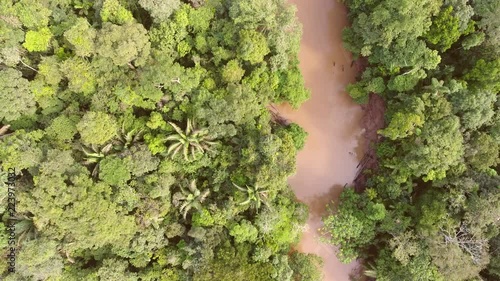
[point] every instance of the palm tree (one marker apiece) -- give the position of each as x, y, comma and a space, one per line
192, 141
372, 273
94, 154
438, 87
127, 138
255, 195
25, 229
3, 130
192, 198
4, 178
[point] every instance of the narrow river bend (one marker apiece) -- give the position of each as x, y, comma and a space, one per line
332, 119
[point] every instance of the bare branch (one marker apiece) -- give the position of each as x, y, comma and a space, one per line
28, 66
467, 242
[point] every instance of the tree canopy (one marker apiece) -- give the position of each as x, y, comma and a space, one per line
429, 210
130, 122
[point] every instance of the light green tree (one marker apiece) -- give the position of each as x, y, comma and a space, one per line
15, 94
244, 231
81, 76
485, 74
141, 161
444, 30
113, 11
81, 36
123, 44
473, 40
49, 69
402, 125
97, 128
252, 46
351, 227
160, 10
38, 41
113, 171
39, 260
62, 129
482, 152
232, 72
33, 14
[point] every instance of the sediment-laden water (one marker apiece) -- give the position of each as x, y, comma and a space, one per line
333, 121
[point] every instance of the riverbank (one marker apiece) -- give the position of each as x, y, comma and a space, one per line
372, 121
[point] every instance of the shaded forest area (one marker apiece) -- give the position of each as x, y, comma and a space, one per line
431, 209
142, 143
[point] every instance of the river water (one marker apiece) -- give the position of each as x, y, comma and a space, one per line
333, 121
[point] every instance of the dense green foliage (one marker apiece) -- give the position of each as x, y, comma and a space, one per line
142, 141
430, 211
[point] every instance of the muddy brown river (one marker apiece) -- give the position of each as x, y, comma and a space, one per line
332, 119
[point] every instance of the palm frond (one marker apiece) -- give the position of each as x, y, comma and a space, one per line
90, 161
211, 142
129, 136
126, 138
25, 229
263, 191
196, 205
186, 210
200, 149
184, 192
95, 171
176, 151
107, 148
197, 145
193, 198
94, 147
370, 273
172, 147
239, 187
138, 136
246, 202
4, 129
184, 205
174, 137
87, 152
189, 127
176, 128
193, 152
185, 151
123, 131
258, 203
200, 132
267, 204
204, 195
192, 186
